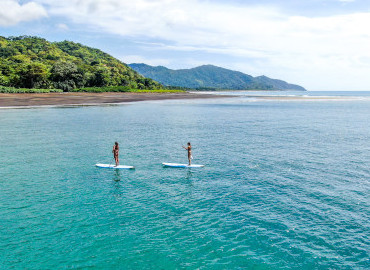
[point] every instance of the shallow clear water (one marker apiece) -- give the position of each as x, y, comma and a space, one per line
357, 95
286, 186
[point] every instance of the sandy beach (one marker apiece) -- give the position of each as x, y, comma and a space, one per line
75, 99
61, 99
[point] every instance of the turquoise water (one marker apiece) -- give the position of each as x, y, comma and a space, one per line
286, 186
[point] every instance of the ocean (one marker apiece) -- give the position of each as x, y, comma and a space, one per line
286, 184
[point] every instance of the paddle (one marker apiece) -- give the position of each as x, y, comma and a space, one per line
112, 162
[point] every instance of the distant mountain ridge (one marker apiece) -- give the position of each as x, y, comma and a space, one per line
212, 77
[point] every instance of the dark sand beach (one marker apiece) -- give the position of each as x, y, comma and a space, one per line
61, 99
75, 99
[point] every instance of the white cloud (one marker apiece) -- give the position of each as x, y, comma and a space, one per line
62, 27
299, 49
12, 13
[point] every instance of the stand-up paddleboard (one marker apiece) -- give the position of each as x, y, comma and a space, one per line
112, 166
178, 165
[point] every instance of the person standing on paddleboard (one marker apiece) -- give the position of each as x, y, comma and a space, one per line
188, 148
115, 152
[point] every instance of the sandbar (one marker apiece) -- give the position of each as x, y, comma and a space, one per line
65, 99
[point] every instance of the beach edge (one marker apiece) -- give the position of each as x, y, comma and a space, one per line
89, 99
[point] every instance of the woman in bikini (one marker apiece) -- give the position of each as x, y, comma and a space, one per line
115, 152
188, 148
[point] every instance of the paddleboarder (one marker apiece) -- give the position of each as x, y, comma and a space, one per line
115, 152
188, 148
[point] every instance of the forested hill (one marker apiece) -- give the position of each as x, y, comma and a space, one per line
32, 62
212, 77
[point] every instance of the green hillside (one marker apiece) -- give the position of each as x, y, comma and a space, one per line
211, 77
32, 62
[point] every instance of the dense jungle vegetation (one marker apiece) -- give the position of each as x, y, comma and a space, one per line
35, 63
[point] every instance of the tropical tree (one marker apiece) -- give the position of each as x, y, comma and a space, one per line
31, 75
66, 76
101, 77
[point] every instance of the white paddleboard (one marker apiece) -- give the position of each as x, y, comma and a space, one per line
113, 166
178, 165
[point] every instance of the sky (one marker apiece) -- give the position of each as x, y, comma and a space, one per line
318, 44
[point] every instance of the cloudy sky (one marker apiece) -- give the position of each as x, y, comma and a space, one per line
319, 44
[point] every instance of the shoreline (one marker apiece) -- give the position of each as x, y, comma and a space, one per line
22, 100
67, 99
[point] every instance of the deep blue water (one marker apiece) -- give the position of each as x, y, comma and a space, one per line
286, 186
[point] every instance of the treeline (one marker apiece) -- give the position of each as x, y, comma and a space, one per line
31, 62
12, 90
191, 89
